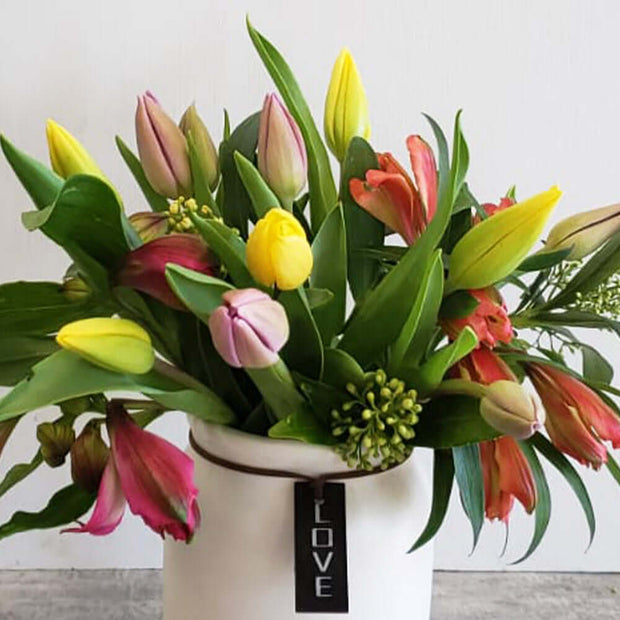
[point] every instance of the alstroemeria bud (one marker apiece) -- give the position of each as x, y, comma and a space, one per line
425, 172
119, 345
584, 232
282, 157
56, 439
163, 149
249, 329
6, 428
346, 106
192, 124
145, 267
492, 250
149, 225
508, 408
89, 456
75, 289
278, 252
67, 155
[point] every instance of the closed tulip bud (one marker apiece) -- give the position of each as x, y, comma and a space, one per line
346, 106
191, 124
89, 456
278, 252
149, 225
492, 250
56, 439
75, 289
282, 157
67, 155
249, 329
118, 345
585, 232
508, 408
145, 267
163, 149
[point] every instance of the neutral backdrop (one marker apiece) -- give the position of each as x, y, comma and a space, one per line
538, 82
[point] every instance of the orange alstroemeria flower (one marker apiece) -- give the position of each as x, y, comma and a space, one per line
390, 195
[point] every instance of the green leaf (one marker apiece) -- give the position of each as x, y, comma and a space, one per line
86, 215
458, 305
38, 308
595, 366
304, 350
229, 247
18, 472
412, 342
442, 149
64, 375
302, 426
202, 294
19, 353
443, 479
460, 158
318, 297
613, 467
449, 421
68, 505
277, 387
157, 203
573, 318
261, 196
543, 260
543, 500
323, 195
432, 372
564, 466
329, 250
465, 200
237, 206
468, 474
202, 191
41, 183
340, 369
365, 232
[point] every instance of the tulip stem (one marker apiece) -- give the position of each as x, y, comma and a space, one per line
461, 386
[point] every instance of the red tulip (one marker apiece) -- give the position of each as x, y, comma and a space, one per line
489, 320
507, 475
390, 195
145, 267
578, 420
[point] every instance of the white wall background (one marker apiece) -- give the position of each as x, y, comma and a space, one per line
538, 81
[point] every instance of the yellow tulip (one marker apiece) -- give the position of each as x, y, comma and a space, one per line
67, 155
346, 106
492, 249
114, 344
278, 252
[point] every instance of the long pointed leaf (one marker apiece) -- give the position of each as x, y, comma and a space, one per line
468, 473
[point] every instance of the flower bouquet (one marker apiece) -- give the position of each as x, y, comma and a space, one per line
298, 319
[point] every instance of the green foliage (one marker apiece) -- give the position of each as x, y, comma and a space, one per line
302, 426
258, 190
19, 353
468, 474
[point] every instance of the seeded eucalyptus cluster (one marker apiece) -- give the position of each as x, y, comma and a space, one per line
375, 427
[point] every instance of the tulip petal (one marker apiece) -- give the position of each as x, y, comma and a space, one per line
294, 256
220, 326
425, 173
252, 351
269, 322
110, 506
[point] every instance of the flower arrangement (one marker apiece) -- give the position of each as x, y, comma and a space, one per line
230, 300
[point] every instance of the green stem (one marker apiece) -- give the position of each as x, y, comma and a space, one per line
461, 386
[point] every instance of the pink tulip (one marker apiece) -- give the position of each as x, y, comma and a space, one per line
390, 195
507, 475
489, 320
145, 267
249, 329
578, 420
282, 157
163, 149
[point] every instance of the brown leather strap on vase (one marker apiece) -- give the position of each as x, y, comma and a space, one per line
316, 481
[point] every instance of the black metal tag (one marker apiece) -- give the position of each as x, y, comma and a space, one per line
321, 583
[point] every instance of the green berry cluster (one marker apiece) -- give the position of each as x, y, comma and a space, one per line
178, 214
375, 427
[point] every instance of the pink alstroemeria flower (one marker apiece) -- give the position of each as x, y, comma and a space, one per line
489, 320
390, 195
578, 420
507, 475
154, 477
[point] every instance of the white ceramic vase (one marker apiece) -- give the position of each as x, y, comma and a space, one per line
240, 565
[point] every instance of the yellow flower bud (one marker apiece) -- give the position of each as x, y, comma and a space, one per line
114, 344
346, 106
67, 155
492, 249
278, 252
